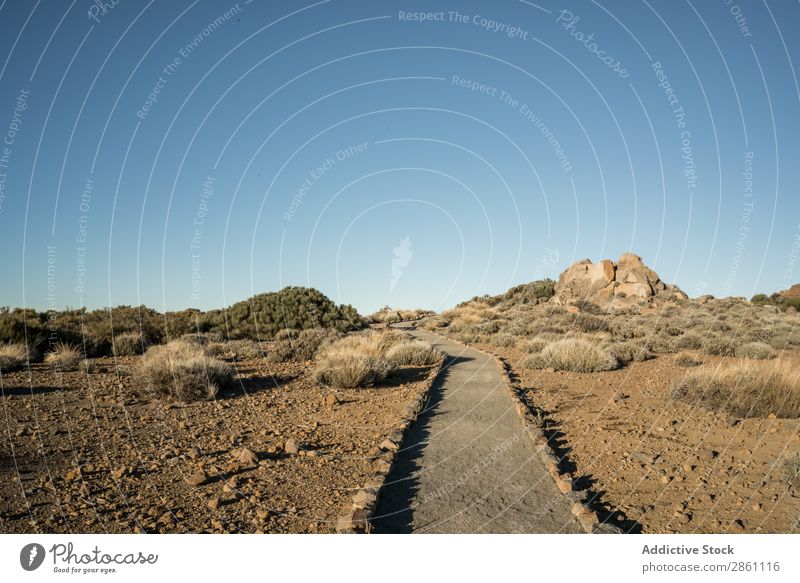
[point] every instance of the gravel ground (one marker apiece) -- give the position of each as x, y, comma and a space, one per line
80, 453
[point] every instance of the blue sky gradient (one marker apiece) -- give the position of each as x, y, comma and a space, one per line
236, 148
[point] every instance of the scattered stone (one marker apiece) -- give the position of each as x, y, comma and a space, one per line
645, 458
707, 454
291, 447
214, 503
246, 456
197, 479
388, 445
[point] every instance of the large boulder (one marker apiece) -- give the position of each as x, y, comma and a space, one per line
608, 284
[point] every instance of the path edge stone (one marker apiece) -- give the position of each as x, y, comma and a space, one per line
357, 515
581, 510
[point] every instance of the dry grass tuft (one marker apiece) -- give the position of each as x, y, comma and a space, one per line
744, 389
358, 360
791, 470
413, 353
183, 371
64, 356
756, 351
128, 344
687, 359
12, 357
533, 345
574, 355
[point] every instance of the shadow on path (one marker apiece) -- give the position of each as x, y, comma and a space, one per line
395, 510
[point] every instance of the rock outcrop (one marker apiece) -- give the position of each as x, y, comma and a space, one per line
605, 283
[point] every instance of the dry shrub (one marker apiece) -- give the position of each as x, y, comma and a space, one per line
690, 340
632, 351
183, 371
756, 351
64, 356
660, 344
236, 349
12, 356
744, 389
358, 360
720, 346
434, 322
590, 323
128, 344
197, 339
302, 345
413, 353
533, 345
574, 355
791, 470
502, 340
687, 359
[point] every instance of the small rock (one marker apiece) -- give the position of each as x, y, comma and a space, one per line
291, 447
331, 400
73, 475
246, 456
645, 458
198, 478
214, 503
707, 454
193, 453
388, 445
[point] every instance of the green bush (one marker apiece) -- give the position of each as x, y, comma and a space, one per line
262, 316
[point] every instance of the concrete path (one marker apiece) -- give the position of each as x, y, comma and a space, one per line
467, 465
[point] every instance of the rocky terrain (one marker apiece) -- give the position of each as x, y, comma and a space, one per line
613, 285
275, 452
605, 356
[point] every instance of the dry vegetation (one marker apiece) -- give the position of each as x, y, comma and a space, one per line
572, 354
275, 451
64, 357
183, 371
660, 402
364, 359
12, 357
744, 389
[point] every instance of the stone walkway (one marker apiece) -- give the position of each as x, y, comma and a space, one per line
467, 465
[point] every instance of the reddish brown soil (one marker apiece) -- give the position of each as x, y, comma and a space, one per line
134, 454
664, 465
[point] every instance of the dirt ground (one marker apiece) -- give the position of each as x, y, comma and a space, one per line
662, 466
81, 454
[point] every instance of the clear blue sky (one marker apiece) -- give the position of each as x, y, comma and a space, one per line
191, 154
